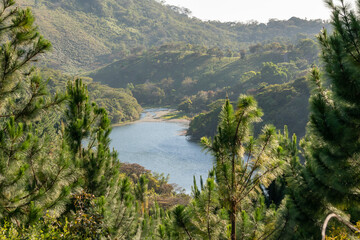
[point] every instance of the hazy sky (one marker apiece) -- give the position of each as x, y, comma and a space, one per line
260, 10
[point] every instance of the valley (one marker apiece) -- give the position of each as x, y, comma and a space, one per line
129, 119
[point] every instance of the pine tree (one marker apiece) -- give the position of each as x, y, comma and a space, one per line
289, 152
207, 214
78, 114
87, 131
35, 172
125, 217
242, 162
329, 180
181, 218
141, 192
151, 226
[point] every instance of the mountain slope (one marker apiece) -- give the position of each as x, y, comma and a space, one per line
192, 68
90, 33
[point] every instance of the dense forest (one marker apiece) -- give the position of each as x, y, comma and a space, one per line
59, 178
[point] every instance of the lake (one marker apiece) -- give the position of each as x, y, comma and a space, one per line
161, 147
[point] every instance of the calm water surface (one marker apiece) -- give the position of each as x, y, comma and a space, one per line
160, 147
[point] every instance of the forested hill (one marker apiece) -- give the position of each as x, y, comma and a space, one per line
119, 103
90, 33
173, 71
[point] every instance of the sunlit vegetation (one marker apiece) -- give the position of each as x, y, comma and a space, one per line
92, 33
60, 179
119, 103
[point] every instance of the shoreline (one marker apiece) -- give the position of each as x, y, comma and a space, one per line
156, 116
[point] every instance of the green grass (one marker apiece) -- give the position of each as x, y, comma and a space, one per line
175, 115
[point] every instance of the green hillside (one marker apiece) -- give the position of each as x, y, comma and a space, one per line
171, 73
119, 103
88, 34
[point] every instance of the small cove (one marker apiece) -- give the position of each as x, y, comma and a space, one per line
161, 147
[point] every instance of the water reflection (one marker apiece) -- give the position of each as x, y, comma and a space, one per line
160, 147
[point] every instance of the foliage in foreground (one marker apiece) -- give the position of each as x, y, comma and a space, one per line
61, 180
242, 163
328, 182
36, 172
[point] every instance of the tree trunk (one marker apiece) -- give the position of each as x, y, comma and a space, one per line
233, 220
208, 215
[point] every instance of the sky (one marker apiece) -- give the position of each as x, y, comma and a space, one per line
259, 10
